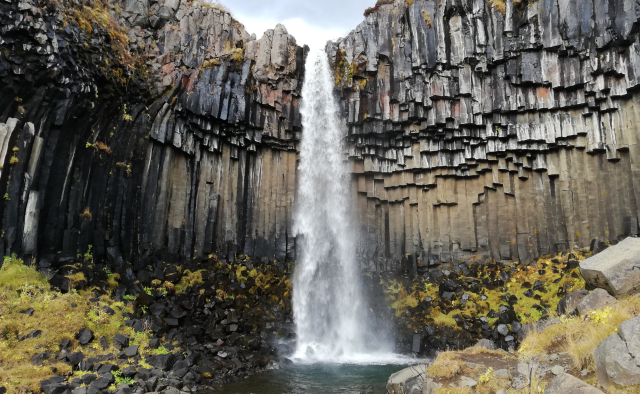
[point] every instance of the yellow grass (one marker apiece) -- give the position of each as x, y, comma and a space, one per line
23, 287
579, 337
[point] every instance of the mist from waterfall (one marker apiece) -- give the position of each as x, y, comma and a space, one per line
328, 304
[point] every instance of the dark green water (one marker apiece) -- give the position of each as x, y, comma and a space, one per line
316, 379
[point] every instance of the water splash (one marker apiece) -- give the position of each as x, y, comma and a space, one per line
327, 294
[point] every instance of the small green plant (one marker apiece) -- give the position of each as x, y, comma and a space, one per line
126, 166
120, 380
129, 297
484, 378
6, 196
88, 256
127, 117
148, 290
161, 350
600, 316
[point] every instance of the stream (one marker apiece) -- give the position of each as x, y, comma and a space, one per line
325, 378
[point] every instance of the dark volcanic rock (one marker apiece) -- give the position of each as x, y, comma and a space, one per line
85, 336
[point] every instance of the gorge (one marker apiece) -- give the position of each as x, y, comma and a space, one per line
251, 202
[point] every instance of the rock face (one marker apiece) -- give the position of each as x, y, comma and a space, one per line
617, 358
616, 269
503, 129
157, 126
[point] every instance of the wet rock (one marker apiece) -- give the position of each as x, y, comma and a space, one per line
407, 381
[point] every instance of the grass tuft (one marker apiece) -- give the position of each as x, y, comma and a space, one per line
59, 316
579, 337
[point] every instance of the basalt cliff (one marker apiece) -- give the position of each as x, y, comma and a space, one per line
499, 129
503, 129
142, 126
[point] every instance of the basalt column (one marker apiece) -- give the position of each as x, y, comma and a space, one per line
499, 129
146, 129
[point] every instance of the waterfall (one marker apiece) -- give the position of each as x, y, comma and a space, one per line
327, 293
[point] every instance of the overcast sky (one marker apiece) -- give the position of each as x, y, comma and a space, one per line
311, 22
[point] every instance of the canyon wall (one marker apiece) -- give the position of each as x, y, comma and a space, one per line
503, 129
143, 126
499, 129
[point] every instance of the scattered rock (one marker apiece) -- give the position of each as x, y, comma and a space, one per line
564, 383
598, 299
28, 311
466, 381
121, 341
557, 370
537, 326
486, 343
568, 304
85, 336
131, 351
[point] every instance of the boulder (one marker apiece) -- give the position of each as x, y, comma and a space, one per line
486, 343
408, 381
616, 269
536, 327
568, 304
617, 358
85, 336
598, 299
131, 351
564, 383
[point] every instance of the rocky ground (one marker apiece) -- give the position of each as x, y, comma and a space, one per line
454, 307
96, 325
191, 326
587, 344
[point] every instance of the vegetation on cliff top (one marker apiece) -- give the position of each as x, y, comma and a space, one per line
379, 4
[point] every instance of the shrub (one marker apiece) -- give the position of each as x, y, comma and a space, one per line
379, 4
86, 214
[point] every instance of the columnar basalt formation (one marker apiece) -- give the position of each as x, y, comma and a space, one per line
143, 126
504, 129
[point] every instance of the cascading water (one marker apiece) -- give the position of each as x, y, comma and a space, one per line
327, 295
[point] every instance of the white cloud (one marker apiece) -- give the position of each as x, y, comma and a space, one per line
304, 33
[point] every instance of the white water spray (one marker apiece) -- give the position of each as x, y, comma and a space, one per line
327, 295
